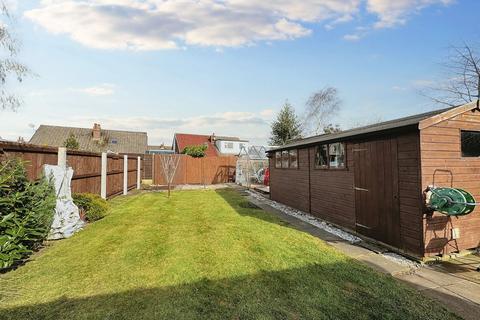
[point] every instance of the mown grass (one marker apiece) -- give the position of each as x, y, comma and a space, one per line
201, 255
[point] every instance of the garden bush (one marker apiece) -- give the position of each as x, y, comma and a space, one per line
195, 151
26, 212
93, 205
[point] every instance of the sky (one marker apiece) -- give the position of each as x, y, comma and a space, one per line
226, 67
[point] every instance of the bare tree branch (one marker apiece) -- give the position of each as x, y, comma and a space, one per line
462, 71
320, 108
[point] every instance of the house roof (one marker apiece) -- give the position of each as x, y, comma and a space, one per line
111, 140
183, 140
159, 147
378, 127
226, 138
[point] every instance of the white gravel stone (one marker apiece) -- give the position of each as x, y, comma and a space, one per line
306, 218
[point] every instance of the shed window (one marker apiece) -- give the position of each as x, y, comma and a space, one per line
228, 145
336, 155
278, 159
321, 156
470, 143
293, 159
285, 159
330, 156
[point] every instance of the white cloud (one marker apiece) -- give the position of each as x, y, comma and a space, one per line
247, 125
105, 89
159, 24
395, 12
267, 113
352, 37
422, 83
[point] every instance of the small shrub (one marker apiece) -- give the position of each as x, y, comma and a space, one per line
94, 207
195, 151
71, 142
26, 212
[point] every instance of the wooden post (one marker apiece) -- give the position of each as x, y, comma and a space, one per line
125, 174
103, 179
139, 169
62, 157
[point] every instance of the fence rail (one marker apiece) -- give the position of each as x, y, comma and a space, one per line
207, 170
87, 167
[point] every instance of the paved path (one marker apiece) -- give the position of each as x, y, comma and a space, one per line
459, 294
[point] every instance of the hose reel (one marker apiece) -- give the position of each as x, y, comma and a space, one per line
449, 201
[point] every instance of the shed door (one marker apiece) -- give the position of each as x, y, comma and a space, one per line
376, 190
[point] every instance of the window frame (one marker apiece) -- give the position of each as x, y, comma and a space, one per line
290, 159
287, 158
327, 166
278, 159
461, 144
288, 153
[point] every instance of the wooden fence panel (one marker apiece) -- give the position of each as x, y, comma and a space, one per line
86, 166
147, 167
207, 170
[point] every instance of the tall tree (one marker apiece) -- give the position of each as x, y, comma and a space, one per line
9, 65
462, 74
286, 126
320, 108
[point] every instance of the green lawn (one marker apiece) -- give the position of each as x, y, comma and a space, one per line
201, 255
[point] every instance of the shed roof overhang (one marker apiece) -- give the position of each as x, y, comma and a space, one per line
415, 122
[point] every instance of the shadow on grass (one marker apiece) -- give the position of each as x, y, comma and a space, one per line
245, 208
322, 291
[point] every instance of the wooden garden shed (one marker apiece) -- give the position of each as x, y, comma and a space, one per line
371, 180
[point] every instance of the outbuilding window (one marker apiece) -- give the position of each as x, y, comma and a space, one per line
278, 159
286, 159
470, 143
321, 156
293, 158
330, 156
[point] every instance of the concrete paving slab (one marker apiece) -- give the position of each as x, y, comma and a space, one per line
349, 249
455, 303
382, 264
440, 278
416, 281
466, 289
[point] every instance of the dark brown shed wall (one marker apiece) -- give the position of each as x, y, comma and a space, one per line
290, 186
333, 197
441, 149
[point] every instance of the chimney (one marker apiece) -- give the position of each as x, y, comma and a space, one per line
96, 132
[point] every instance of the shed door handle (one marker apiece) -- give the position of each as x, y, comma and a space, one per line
360, 189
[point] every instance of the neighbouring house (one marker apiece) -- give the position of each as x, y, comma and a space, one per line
160, 149
216, 145
372, 180
93, 140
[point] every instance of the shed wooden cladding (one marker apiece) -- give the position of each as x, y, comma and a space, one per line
86, 166
207, 170
380, 192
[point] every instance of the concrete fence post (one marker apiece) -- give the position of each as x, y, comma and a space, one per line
103, 176
125, 174
62, 157
139, 168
